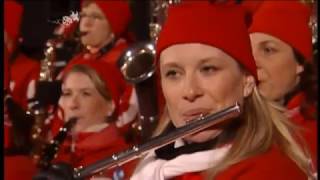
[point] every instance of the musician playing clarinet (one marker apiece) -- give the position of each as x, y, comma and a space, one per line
205, 64
90, 93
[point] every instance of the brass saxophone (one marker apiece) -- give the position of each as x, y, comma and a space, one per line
39, 112
47, 75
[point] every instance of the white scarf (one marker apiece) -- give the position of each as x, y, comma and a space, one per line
159, 169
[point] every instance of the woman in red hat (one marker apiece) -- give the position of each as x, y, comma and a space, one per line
91, 95
205, 64
282, 49
103, 26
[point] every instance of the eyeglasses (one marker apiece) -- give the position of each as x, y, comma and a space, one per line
92, 16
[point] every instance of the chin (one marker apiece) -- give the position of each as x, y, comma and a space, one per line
203, 136
87, 42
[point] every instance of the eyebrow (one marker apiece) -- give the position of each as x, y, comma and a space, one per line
201, 61
206, 59
267, 42
81, 89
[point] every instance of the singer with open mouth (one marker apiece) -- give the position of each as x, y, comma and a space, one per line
205, 64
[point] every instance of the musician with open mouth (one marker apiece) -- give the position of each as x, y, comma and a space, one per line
205, 64
90, 95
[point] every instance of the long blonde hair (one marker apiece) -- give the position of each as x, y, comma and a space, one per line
262, 126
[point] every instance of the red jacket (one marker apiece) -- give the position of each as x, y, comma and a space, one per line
111, 56
87, 147
22, 71
19, 74
19, 167
270, 165
309, 125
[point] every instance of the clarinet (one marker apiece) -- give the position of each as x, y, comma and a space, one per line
51, 149
135, 152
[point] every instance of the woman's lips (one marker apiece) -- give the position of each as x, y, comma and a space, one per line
84, 33
193, 114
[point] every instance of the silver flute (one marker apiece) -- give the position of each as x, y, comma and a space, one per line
137, 151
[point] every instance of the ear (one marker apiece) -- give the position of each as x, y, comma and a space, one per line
299, 69
249, 84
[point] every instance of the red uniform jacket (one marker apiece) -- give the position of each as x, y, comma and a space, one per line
21, 72
270, 165
111, 56
87, 147
309, 125
19, 167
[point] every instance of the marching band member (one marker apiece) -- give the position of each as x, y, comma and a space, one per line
90, 93
283, 53
205, 64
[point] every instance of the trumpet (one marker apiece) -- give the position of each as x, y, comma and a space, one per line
135, 152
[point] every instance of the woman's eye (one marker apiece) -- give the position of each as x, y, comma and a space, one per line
65, 94
269, 50
97, 16
171, 74
86, 93
82, 15
208, 69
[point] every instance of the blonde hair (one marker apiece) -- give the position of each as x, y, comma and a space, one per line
262, 126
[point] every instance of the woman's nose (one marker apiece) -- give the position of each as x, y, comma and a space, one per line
74, 102
85, 22
257, 58
192, 89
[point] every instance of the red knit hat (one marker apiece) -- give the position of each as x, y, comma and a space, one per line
118, 14
12, 18
110, 76
250, 8
218, 25
288, 21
